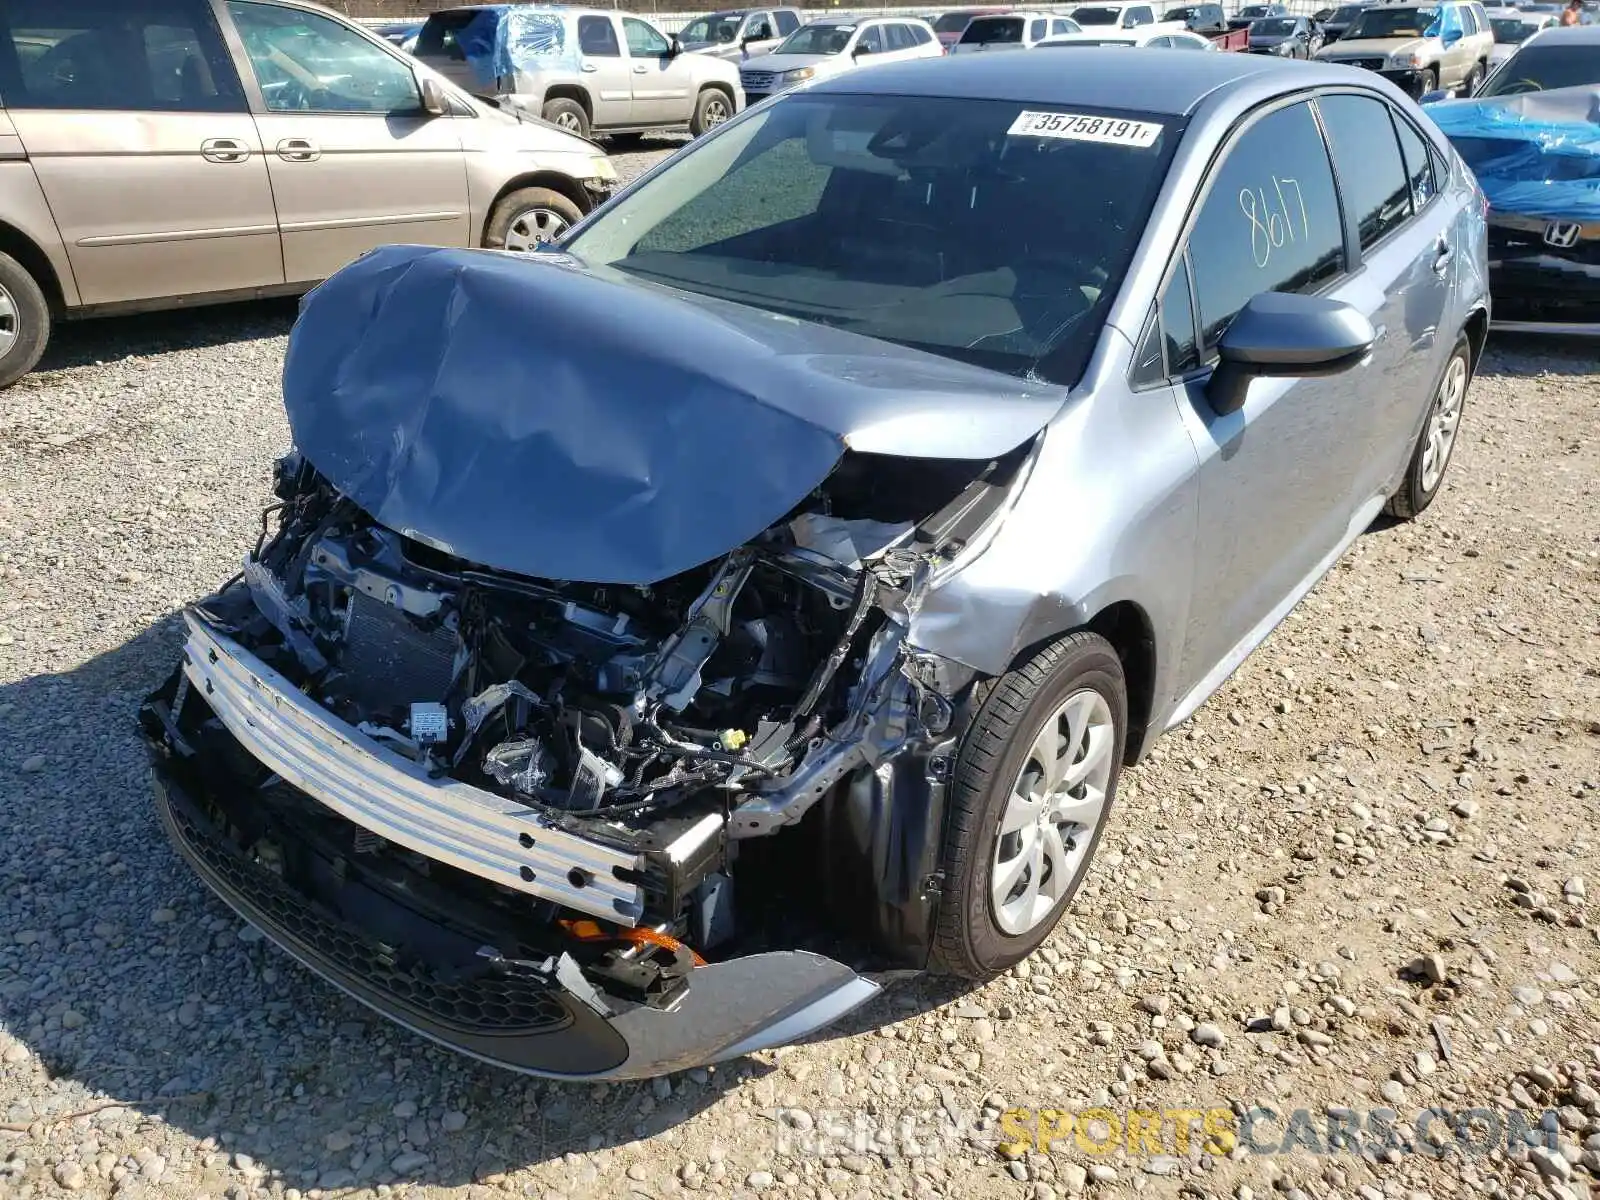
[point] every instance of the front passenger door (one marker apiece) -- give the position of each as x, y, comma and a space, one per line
663, 82
760, 35
1276, 477
354, 160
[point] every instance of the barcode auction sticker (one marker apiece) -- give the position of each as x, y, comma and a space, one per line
1079, 128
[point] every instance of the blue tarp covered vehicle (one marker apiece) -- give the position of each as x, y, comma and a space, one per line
1532, 138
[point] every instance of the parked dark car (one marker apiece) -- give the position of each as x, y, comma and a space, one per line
1290, 37
1251, 13
1199, 18
1338, 20
658, 640
1530, 136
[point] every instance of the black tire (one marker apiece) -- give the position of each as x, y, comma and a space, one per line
1473, 81
511, 215
969, 942
1414, 494
711, 109
1428, 81
27, 323
568, 114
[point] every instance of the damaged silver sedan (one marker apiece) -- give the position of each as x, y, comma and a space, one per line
659, 642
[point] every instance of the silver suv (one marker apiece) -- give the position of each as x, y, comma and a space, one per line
585, 70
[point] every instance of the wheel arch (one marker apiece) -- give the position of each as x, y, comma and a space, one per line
1476, 328
564, 185
717, 85
569, 91
37, 263
1128, 627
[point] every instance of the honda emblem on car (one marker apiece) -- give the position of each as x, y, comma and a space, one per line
1562, 234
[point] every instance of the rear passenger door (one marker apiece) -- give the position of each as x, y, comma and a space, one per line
1402, 267
1276, 478
606, 70
136, 122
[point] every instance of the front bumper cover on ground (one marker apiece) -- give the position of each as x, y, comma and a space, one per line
391, 951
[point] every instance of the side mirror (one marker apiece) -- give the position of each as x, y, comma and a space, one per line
1451, 37
1433, 97
434, 102
860, 50
1281, 335
674, 46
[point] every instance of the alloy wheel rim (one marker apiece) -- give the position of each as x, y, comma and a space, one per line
10, 323
1443, 423
532, 228
1051, 813
716, 113
569, 121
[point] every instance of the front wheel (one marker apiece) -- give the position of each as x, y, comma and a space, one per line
1473, 81
1431, 455
1033, 787
1429, 81
528, 218
711, 110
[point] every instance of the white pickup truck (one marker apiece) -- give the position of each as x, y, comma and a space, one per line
1119, 14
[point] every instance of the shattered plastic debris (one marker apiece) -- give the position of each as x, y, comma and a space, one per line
846, 542
521, 765
1535, 153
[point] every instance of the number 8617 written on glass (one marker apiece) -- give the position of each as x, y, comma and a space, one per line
1277, 216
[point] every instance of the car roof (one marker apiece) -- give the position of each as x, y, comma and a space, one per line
1099, 79
1571, 35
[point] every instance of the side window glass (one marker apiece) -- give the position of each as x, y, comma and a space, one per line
759, 29
1143, 16
1270, 221
899, 37
1036, 31
136, 55
1177, 323
871, 39
920, 36
1372, 176
305, 62
787, 23
644, 40
1149, 365
597, 38
1419, 164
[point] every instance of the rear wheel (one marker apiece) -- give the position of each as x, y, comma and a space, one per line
24, 321
528, 218
710, 110
1033, 787
568, 114
1430, 458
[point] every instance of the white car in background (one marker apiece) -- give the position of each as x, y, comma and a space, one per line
1119, 14
1512, 27
833, 46
1159, 39
1012, 31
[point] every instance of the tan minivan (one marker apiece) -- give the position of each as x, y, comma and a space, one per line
161, 153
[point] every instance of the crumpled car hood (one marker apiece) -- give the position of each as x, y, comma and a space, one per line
529, 414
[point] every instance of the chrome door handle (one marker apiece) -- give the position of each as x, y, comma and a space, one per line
641, 69
224, 150
590, 67
298, 150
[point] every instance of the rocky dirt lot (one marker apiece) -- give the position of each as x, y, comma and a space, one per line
1355, 881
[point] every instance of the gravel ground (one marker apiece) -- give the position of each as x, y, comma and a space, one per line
1354, 881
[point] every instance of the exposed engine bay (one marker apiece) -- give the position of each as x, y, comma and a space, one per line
651, 739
